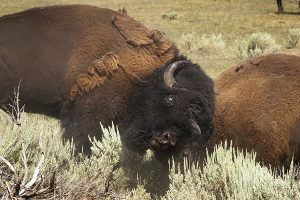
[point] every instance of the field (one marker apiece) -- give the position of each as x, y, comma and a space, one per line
213, 33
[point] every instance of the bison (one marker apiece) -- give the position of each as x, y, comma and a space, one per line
258, 107
86, 65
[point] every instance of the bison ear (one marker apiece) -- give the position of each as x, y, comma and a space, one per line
169, 78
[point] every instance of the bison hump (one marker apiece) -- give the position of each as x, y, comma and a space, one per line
138, 36
135, 33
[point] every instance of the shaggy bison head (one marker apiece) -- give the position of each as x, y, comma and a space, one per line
174, 106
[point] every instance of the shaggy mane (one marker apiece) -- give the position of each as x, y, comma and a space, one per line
98, 72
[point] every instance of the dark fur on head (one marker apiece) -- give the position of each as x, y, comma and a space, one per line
155, 109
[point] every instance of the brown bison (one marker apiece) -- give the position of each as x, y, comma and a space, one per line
258, 107
87, 65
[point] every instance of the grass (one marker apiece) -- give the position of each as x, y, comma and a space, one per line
208, 24
227, 174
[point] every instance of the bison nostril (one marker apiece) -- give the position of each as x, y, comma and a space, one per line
163, 139
166, 137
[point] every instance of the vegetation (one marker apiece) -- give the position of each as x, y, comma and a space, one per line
216, 34
193, 43
227, 173
293, 37
170, 16
257, 44
231, 174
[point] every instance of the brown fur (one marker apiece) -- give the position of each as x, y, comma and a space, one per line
91, 35
77, 63
258, 107
98, 72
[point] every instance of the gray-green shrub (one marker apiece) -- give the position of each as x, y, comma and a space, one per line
194, 42
256, 44
173, 15
231, 174
227, 173
293, 38
75, 177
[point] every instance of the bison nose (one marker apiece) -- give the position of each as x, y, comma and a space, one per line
166, 138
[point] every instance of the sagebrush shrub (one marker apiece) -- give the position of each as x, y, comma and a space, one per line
256, 44
293, 38
193, 42
170, 16
138, 194
231, 174
227, 173
76, 177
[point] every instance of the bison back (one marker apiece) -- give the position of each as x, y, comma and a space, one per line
48, 49
258, 107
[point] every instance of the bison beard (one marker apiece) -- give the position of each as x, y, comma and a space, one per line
86, 65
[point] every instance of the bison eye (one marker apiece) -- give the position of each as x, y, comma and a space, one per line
169, 101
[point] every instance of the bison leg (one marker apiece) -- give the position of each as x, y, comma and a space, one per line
280, 6
294, 144
6, 88
79, 130
79, 126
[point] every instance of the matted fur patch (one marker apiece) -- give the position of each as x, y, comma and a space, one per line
138, 36
98, 72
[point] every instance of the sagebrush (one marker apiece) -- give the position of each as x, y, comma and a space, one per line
194, 42
293, 38
227, 174
256, 44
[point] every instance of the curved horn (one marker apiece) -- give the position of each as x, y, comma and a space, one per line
196, 130
169, 79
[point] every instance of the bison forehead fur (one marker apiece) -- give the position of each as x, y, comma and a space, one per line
258, 108
86, 65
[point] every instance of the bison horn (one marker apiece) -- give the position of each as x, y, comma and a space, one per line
196, 130
169, 79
